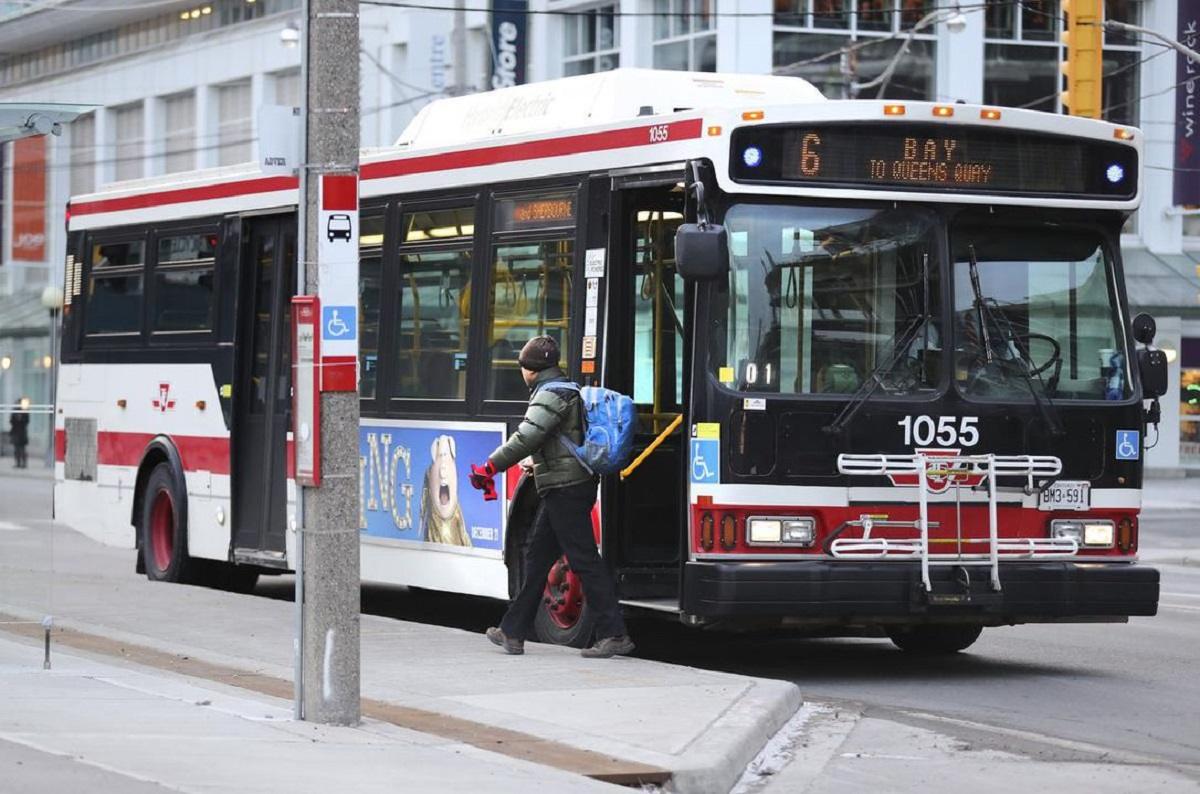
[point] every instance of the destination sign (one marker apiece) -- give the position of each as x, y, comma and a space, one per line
924, 156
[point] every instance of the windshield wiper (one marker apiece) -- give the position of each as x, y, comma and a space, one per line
903, 341
985, 314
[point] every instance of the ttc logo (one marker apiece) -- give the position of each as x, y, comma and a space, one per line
938, 478
164, 402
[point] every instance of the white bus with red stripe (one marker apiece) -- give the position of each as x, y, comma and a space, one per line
816, 352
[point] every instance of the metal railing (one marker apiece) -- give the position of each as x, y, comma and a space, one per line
991, 468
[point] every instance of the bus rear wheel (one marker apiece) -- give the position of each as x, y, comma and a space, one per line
163, 529
934, 640
564, 617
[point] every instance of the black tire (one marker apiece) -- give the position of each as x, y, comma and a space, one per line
163, 528
934, 640
576, 633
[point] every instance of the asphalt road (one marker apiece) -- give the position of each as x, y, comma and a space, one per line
1117, 693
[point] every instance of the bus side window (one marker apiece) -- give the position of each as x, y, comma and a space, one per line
183, 283
370, 280
434, 296
115, 288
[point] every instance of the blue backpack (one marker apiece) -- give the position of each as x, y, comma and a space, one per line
609, 423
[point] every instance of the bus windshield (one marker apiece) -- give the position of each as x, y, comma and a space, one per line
820, 299
1034, 309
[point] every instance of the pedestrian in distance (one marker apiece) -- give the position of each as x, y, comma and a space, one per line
18, 434
564, 521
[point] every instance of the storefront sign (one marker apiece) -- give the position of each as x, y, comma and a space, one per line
29, 200
509, 42
1187, 108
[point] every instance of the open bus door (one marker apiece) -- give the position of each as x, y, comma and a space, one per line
262, 390
646, 358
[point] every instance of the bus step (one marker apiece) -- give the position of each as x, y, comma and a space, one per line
261, 558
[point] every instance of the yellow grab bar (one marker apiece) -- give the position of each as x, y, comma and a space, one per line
625, 472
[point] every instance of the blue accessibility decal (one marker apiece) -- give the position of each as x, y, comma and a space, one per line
1129, 444
704, 455
339, 323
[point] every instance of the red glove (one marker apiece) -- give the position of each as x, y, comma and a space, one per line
481, 480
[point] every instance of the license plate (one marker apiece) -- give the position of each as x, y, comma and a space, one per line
1066, 495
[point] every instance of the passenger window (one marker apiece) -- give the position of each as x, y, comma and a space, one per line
531, 295
370, 280
183, 283
434, 296
115, 288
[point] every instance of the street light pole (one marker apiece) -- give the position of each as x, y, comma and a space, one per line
328, 542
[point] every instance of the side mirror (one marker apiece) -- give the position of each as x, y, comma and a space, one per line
1144, 328
1152, 366
701, 251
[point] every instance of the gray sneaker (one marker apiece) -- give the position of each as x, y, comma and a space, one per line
609, 647
510, 645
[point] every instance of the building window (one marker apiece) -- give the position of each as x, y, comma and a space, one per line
83, 154
179, 132
234, 127
130, 134
838, 45
1023, 54
287, 88
590, 41
685, 35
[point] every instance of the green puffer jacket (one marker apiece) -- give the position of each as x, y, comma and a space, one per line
550, 413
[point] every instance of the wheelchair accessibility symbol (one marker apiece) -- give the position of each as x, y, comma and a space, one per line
704, 455
1129, 445
339, 323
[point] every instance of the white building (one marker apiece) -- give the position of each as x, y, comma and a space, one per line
177, 85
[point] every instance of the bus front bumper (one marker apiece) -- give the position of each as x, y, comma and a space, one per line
867, 592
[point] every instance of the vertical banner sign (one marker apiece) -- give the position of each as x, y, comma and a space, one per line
509, 42
1187, 114
306, 398
337, 264
29, 199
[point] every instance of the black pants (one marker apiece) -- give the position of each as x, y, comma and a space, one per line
564, 526
20, 457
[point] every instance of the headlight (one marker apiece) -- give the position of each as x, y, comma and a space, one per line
1086, 532
780, 531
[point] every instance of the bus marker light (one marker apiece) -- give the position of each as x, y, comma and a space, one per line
728, 532
989, 114
943, 111
714, 131
706, 531
1114, 173
121, 403
893, 110
1125, 534
1122, 134
753, 115
752, 156
201, 405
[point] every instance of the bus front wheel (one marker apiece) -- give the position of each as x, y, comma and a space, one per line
564, 617
931, 640
163, 528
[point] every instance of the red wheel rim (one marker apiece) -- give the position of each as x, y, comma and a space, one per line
563, 595
162, 529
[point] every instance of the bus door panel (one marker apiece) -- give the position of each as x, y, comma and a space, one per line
646, 325
262, 392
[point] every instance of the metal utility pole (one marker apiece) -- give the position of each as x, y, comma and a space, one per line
458, 44
328, 565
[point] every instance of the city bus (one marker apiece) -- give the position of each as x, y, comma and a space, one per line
886, 377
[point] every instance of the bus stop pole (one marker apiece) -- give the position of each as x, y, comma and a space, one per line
329, 534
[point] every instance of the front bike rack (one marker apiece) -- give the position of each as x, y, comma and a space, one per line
992, 467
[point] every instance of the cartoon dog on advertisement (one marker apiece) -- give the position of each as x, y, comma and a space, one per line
441, 513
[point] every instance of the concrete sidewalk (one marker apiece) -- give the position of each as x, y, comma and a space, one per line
549, 706
114, 728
